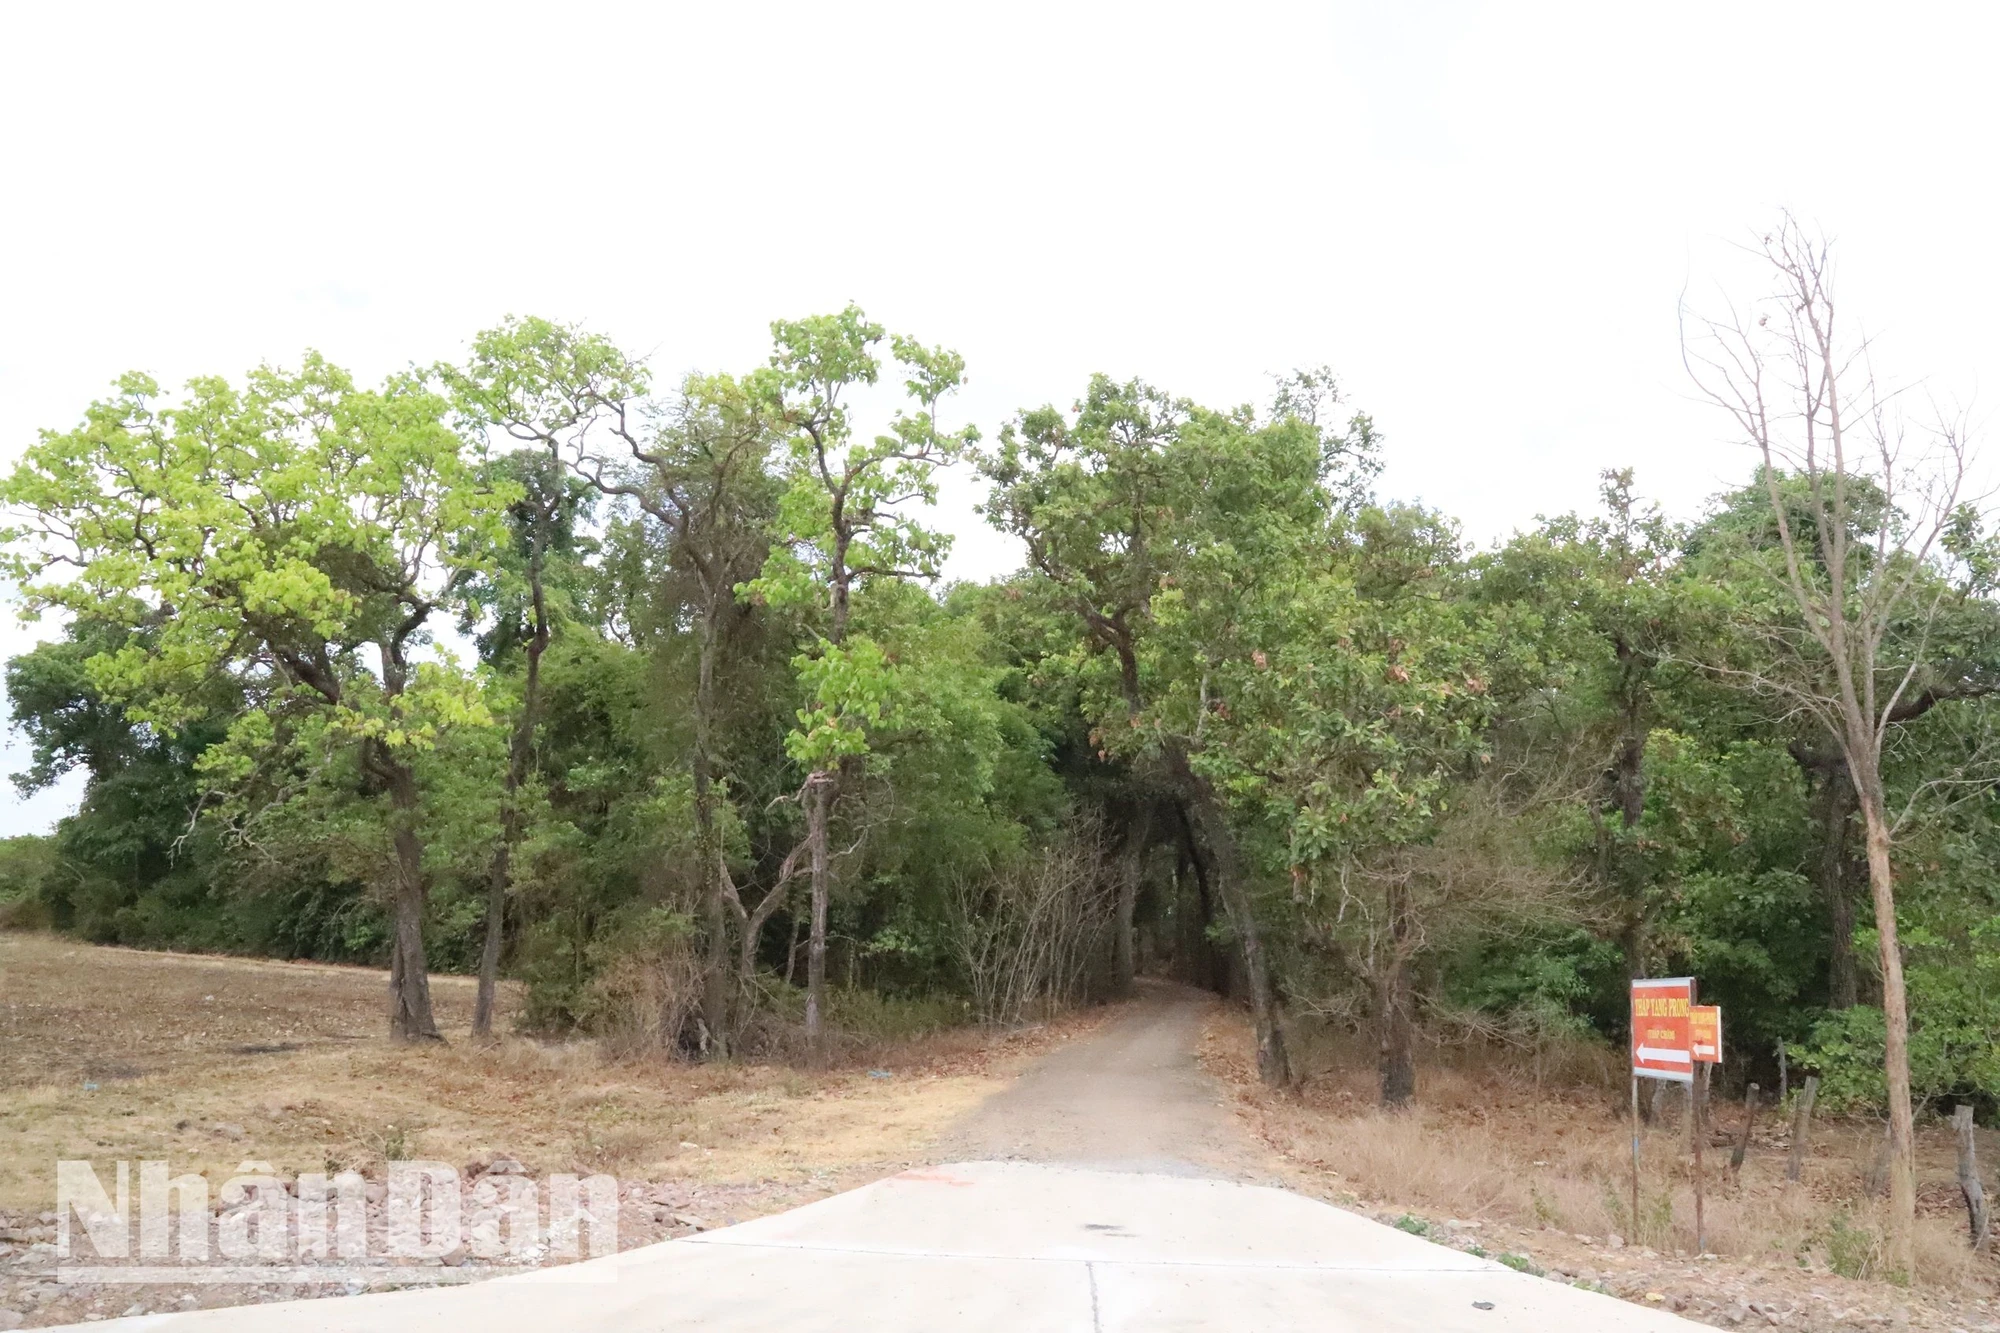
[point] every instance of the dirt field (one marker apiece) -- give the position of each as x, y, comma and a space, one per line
1486, 1160
112, 1054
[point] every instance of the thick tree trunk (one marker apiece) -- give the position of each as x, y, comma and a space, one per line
1396, 1025
819, 796
409, 976
1216, 965
1632, 943
519, 752
1896, 1031
1628, 798
1209, 822
1836, 807
496, 915
1131, 868
716, 983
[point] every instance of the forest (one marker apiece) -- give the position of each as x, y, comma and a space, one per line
645, 690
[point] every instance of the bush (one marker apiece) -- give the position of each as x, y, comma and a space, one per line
25, 862
1950, 1053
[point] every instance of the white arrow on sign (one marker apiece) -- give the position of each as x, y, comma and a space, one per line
1668, 1056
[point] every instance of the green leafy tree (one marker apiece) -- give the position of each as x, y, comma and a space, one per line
297, 534
538, 387
1349, 723
1601, 601
843, 525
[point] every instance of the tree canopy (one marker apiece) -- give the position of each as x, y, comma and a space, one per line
647, 690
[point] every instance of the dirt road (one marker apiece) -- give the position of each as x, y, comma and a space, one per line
1128, 1097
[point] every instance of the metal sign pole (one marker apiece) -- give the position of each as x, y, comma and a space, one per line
1700, 1098
1633, 1225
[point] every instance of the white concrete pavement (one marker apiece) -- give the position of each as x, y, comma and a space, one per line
995, 1245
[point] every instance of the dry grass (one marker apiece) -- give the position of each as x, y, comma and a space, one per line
1550, 1165
208, 1062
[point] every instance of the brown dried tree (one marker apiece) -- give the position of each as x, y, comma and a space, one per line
1862, 510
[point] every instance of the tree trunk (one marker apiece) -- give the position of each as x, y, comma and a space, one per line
409, 977
716, 982
519, 752
1836, 806
1397, 1062
1205, 813
1132, 866
1398, 1065
496, 912
1215, 964
1896, 1031
819, 796
1628, 797
1632, 943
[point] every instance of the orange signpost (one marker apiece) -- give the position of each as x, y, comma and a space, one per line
1705, 1033
1672, 1038
1662, 1047
1662, 1040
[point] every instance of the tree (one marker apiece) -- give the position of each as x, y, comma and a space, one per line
284, 533
1144, 497
702, 472
1603, 594
842, 527
1861, 518
1090, 500
534, 384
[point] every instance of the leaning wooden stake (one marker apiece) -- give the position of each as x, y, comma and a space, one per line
1968, 1177
1742, 1148
1801, 1125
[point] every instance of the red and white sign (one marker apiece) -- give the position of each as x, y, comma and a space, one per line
1662, 1040
1705, 1033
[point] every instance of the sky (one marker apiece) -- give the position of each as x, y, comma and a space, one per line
1484, 217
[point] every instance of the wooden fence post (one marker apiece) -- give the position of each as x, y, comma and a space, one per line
1877, 1178
1802, 1125
1742, 1148
1968, 1177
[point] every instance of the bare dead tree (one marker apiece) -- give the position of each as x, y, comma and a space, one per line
1031, 937
1862, 502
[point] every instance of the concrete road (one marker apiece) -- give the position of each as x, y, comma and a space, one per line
1127, 1202
1005, 1246
1131, 1097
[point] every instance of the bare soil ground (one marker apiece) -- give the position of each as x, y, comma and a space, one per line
1487, 1160
111, 1054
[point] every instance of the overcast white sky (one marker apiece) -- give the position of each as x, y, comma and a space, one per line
1482, 215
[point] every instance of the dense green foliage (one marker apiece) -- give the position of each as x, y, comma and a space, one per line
1237, 719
